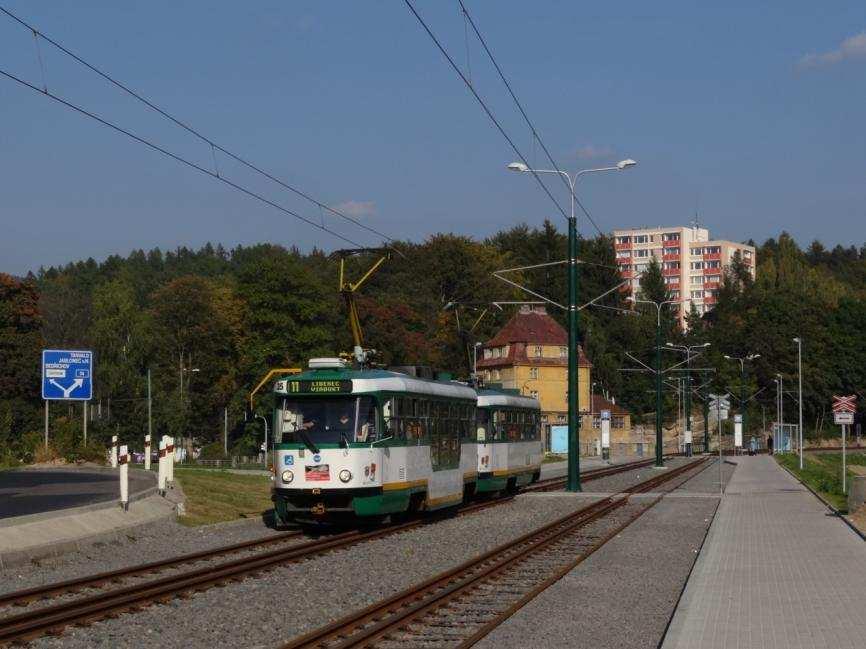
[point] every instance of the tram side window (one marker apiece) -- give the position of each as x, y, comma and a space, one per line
482, 425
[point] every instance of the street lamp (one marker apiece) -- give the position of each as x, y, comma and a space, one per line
573, 412
742, 359
658, 306
799, 342
687, 349
780, 413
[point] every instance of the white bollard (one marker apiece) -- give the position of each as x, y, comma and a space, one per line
123, 460
160, 476
114, 451
170, 462
147, 452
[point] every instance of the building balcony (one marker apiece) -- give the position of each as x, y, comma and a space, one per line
623, 260
712, 271
671, 272
671, 257
710, 299
672, 287
713, 256
711, 285
626, 274
622, 246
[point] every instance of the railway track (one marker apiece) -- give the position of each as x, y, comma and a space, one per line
462, 605
120, 599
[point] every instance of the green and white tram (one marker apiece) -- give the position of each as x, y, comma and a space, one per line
368, 443
509, 441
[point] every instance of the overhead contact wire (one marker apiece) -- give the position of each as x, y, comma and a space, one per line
174, 156
523, 112
192, 130
483, 105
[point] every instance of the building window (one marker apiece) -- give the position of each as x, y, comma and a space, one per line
675, 295
671, 265
641, 253
560, 419
714, 278
533, 372
672, 251
497, 352
538, 351
533, 394
697, 265
488, 353
672, 280
623, 239
617, 421
697, 279
641, 238
697, 294
563, 352
671, 236
713, 264
623, 253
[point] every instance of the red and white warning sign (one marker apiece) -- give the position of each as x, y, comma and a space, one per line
844, 409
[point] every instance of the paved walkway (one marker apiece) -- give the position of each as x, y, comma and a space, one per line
775, 572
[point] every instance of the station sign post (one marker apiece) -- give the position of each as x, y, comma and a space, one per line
722, 406
605, 434
843, 415
67, 375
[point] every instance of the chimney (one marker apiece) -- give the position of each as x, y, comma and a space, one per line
541, 309
525, 308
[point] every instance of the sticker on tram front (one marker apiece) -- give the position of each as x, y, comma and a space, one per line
317, 473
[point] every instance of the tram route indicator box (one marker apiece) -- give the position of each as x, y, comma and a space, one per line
67, 375
319, 386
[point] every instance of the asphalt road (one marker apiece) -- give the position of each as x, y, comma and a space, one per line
33, 492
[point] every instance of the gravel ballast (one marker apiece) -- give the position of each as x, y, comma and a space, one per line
624, 595
295, 598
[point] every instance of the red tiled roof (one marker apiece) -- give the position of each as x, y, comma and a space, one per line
599, 403
532, 327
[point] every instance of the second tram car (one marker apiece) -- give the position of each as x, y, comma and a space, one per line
509, 446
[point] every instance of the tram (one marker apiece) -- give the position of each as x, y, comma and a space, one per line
368, 443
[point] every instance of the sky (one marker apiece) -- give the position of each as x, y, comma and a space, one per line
749, 114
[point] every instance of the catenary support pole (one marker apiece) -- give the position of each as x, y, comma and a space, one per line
659, 438
149, 409
573, 358
721, 481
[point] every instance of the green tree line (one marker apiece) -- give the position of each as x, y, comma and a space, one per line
207, 324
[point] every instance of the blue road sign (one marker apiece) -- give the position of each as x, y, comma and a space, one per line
67, 375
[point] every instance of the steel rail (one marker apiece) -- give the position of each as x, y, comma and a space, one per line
27, 596
386, 618
51, 619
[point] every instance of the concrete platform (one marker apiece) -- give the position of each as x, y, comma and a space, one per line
776, 571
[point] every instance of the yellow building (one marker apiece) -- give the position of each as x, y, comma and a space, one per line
530, 354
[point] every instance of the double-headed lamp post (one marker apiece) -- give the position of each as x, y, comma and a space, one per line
742, 360
687, 350
659, 438
573, 412
799, 342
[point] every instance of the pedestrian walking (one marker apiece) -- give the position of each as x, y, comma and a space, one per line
770, 444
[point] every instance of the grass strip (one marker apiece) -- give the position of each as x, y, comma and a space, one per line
216, 496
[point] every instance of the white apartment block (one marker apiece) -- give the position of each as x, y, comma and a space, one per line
691, 264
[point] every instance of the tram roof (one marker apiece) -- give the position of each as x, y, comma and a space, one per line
496, 398
365, 381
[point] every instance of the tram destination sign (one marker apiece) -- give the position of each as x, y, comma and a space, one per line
317, 386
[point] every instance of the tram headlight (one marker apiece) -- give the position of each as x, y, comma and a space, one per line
287, 476
345, 475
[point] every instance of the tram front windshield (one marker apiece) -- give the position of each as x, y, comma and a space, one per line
328, 421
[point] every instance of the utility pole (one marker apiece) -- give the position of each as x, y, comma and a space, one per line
573, 483
658, 371
799, 342
226, 431
149, 406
